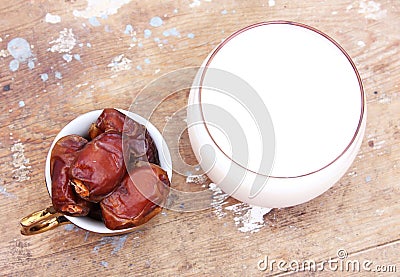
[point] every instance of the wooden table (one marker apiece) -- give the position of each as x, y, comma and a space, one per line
73, 64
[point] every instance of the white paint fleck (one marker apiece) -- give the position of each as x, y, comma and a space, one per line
128, 29
94, 21
4, 53
196, 179
349, 7
368, 179
117, 243
20, 49
3, 191
70, 227
21, 104
107, 28
139, 67
31, 64
190, 35
156, 21
147, 33
271, 3
44, 77
334, 13
77, 57
218, 200
195, 3
58, 75
21, 165
247, 217
53, 19
104, 263
100, 8
64, 43
371, 10
67, 57
384, 99
88, 45
380, 212
361, 43
223, 12
171, 32
379, 144
14, 65
120, 63
352, 174
147, 61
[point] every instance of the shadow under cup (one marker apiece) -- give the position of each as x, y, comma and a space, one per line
80, 126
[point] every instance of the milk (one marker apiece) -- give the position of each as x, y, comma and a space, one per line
295, 102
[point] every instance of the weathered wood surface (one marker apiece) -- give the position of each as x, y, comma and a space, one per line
360, 214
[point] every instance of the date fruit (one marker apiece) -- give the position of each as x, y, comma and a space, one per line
109, 120
99, 167
139, 197
137, 141
138, 144
63, 195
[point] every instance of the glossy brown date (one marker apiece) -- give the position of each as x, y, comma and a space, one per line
138, 143
99, 167
109, 120
64, 198
137, 199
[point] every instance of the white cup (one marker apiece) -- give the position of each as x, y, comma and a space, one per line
316, 103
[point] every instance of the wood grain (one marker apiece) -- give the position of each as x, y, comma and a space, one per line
360, 214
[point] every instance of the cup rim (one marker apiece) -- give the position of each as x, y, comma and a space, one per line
297, 24
162, 147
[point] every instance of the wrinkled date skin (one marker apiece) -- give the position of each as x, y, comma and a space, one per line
64, 198
109, 120
99, 167
137, 199
138, 144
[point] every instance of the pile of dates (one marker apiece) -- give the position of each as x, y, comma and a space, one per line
113, 175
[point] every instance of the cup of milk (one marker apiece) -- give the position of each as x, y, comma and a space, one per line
276, 114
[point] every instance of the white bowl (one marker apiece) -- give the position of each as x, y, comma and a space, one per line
80, 126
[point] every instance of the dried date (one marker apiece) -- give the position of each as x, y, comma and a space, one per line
99, 167
138, 144
64, 198
109, 120
139, 197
